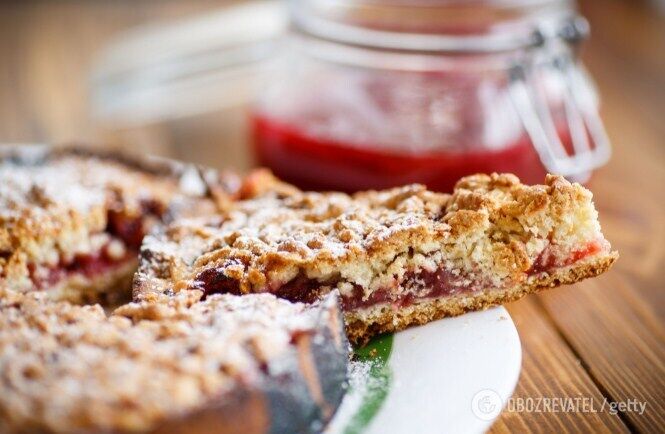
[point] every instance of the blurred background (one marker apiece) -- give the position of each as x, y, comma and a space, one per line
219, 82
349, 102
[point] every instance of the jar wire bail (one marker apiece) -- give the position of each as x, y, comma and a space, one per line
579, 104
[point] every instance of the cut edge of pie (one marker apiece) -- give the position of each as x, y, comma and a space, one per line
386, 318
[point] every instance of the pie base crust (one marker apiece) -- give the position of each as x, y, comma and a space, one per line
384, 319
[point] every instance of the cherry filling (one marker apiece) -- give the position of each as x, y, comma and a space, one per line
415, 285
549, 260
419, 285
213, 281
300, 289
126, 228
130, 229
303, 290
88, 265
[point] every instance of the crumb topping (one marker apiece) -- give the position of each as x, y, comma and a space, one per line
144, 363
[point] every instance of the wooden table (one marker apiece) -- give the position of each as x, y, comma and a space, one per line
600, 339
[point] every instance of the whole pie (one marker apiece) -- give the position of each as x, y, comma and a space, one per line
243, 292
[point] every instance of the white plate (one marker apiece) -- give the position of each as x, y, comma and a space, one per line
449, 376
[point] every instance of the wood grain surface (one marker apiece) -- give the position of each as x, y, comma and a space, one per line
602, 340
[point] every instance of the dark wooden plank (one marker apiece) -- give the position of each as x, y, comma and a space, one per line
551, 370
615, 323
628, 191
620, 340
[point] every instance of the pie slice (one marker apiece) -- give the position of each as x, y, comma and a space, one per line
397, 257
72, 221
229, 364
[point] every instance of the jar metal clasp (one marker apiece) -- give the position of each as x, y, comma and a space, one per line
590, 143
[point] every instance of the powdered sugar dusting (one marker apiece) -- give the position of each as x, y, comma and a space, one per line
145, 363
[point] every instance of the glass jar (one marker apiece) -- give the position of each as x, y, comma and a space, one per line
375, 94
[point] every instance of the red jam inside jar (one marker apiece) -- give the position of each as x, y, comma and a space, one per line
380, 129
318, 163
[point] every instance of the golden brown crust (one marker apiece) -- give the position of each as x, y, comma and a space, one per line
384, 319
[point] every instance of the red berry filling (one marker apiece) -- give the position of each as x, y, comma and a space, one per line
130, 229
213, 281
88, 265
126, 228
549, 260
414, 285
419, 285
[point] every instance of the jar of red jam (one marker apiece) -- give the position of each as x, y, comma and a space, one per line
375, 94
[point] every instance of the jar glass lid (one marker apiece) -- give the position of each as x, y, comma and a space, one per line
429, 25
